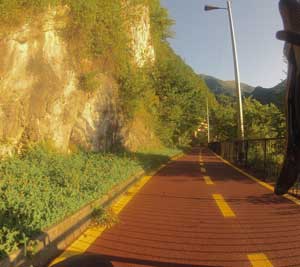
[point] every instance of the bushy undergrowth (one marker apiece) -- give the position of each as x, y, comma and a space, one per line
41, 187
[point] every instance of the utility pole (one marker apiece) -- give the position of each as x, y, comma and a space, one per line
208, 124
241, 132
237, 74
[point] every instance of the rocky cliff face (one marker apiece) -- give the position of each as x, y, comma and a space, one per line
40, 99
141, 38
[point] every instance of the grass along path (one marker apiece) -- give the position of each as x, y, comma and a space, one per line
41, 187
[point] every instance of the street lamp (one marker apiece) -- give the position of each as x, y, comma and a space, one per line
208, 124
209, 8
236, 66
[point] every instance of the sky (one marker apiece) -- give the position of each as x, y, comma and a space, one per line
203, 39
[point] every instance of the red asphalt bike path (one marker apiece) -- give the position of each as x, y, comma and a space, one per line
175, 221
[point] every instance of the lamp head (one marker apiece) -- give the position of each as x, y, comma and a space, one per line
209, 8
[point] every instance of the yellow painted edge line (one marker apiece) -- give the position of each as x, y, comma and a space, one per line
93, 233
203, 170
223, 206
259, 260
177, 157
80, 245
200, 156
208, 180
266, 185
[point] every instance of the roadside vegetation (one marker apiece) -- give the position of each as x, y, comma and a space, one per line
260, 121
41, 186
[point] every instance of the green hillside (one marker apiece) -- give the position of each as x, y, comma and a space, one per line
273, 95
218, 86
263, 110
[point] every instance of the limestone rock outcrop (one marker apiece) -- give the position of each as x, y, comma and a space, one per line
40, 98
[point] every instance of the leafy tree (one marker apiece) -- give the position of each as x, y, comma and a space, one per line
182, 97
260, 121
223, 119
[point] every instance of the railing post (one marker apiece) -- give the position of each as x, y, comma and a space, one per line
246, 153
256, 154
265, 159
236, 161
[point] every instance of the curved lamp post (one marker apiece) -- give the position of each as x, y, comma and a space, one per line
236, 67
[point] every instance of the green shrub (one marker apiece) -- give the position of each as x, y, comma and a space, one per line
104, 217
41, 187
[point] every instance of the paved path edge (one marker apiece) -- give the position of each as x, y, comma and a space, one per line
59, 236
258, 180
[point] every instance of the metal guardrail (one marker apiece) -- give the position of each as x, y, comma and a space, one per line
264, 157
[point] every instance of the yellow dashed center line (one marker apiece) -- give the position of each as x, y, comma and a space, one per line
223, 206
203, 170
200, 157
259, 260
92, 234
208, 180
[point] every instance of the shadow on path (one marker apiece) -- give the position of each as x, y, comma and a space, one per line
94, 260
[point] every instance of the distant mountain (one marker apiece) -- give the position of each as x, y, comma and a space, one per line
273, 95
218, 86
